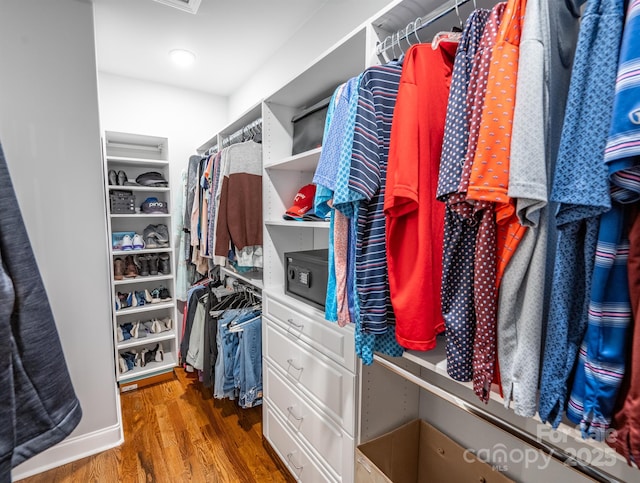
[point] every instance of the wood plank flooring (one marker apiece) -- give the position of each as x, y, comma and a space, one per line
176, 432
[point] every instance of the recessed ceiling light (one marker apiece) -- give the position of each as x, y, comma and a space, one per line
182, 58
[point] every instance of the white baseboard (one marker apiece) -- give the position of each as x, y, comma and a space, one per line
69, 450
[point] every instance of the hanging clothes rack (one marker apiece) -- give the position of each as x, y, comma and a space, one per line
393, 41
247, 132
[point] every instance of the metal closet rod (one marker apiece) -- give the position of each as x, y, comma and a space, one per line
420, 23
139, 147
553, 451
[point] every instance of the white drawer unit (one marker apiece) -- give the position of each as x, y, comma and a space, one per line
331, 340
331, 443
330, 386
300, 463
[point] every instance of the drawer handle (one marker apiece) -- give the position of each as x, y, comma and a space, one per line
290, 361
364, 464
289, 457
290, 411
293, 324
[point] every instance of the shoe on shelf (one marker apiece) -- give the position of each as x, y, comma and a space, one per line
162, 235
166, 324
164, 294
139, 330
122, 364
147, 296
118, 268
122, 178
125, 330
155, 296
127, 243
153, 264
113, 178
122, 300
132, 300
142, 262
149, 235
131, 358
140, 298
164, 264
137, 242
156, 327
130, 268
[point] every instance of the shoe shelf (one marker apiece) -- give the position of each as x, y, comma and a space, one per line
145, 308
141, 252
150, 163
141, 215
150, 339
143, 278
151, 368
152, 189
298, 224
306, 161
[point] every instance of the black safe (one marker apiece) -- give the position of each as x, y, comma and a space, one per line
306, 276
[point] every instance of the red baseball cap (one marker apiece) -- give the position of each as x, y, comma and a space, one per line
302, 203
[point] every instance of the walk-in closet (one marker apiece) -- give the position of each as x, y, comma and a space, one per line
320, 241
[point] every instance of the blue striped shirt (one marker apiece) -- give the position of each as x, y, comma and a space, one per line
376, 102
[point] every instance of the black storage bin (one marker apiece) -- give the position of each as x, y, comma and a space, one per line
308, 127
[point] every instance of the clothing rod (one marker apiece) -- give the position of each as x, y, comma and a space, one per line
138, 147
240, 132
553, 451
419, 23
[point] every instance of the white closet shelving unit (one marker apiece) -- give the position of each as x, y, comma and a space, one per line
136, 154
319, 400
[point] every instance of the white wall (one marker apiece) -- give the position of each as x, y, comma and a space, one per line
335, 20
187, 118
49, 127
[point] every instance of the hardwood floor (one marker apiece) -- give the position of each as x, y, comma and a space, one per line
176, 432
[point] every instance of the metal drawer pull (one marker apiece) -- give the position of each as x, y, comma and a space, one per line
364, 464
290, 411
293, 324
290, 361
299, 468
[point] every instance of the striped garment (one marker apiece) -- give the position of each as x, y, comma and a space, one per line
376, 102
622, 155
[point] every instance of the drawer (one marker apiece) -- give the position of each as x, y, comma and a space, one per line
332, 444
334, 341
301, 464
330, 386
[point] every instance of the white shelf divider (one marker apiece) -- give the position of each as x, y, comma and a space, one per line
306, 161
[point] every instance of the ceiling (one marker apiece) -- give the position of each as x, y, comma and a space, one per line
231, 39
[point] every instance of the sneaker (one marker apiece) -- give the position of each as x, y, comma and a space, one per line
156, 327
122, 178
149, 235
164, 294
122, 300
164, 265
162, 235
140, 298
122, 364
113, 178
155, 296
166, 324
153, 264
132, 300
137, 242
147, 296
127, 243
154, 205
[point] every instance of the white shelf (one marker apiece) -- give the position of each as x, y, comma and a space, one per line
252, 278
151, 163
140, 252
140, 279
141, 215
150, 339
306, 161
151, 368
145, 308
298, 224
139, 188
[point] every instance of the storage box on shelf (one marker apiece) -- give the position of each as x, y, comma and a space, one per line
142, 260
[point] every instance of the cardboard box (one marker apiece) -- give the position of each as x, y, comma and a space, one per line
418, 452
